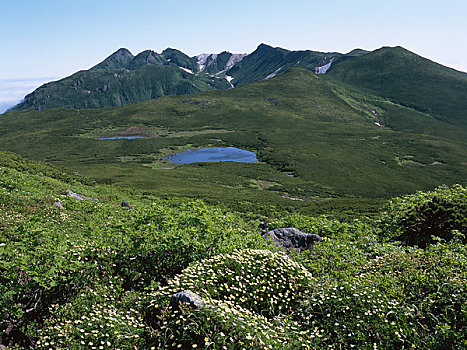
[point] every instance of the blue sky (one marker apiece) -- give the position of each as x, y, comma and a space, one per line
54, 38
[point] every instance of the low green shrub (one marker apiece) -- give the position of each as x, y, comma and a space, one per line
416, 218
350, 315
94, 319
431, 282
248, 293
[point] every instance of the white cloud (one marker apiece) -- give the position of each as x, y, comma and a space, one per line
12, 91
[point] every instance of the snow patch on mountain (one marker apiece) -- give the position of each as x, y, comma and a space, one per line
229, 79
186, 70
273, 74
234, 59
324, 69
206, 59
202, 61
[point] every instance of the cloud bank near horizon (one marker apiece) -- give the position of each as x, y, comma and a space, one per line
12, 91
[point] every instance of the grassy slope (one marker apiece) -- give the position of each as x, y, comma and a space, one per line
88, 275
407, 78
266, 60
297, 123
107, 88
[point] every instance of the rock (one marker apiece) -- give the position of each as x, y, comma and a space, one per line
13, 337
58, 204
186, 297
81, 197
262, 225
292, 239
126, 206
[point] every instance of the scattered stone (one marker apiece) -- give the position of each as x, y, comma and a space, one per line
126, 206
81, 197
58, 204
186, 297
13, 337
292, 239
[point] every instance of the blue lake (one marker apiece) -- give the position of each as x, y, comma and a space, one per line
214, 154
123, 137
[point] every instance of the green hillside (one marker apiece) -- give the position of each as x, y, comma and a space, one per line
122, 58
267, 60
86, 273
180, 59
408, 79
390, 72
315, 140
98, 88
123, 79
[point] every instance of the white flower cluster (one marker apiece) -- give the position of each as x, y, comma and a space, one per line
251, 291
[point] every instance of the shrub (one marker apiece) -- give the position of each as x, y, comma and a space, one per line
432, 283
92, 320
347, 314
418, 217
247, 293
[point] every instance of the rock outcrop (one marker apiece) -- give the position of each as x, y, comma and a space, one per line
186, 297
126, 206
292, 239
81, 197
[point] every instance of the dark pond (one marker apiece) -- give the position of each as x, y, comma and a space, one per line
122, 137
214, 154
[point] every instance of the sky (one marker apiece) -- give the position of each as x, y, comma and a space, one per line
55, 38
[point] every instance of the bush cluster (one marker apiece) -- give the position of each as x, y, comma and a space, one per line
248, 294
417, 218
91, 275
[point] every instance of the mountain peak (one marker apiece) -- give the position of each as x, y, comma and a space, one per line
119, 59
357, 52
123, 52
145, 57
263, 46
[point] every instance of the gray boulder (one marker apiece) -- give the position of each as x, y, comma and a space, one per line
186, 297
58, 204
70, 193
126, 206
292, 239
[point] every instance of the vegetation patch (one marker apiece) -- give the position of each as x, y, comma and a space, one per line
80, 273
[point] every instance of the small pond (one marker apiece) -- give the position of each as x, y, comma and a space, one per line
122, 137
214, 154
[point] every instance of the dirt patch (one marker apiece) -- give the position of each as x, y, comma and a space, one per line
131, 131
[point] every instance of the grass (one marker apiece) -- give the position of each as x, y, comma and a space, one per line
314, 142
90, 274
408, 79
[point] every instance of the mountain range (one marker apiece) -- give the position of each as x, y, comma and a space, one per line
123, 78
104, 254
362, 124
390, 72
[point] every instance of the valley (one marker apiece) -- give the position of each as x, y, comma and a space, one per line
330, 210
314, 139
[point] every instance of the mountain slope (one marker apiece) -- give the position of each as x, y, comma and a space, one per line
113, 82
391, 73
314, 141
99, 88
408, 79
266, 62
118, 60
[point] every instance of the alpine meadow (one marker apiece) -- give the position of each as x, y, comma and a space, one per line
279, 199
